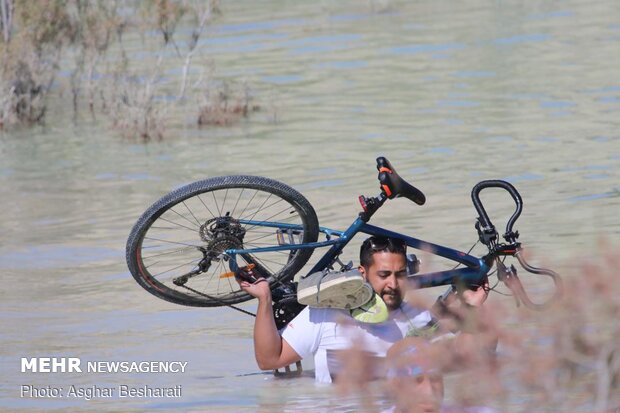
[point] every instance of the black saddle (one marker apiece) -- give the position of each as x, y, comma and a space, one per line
394, 186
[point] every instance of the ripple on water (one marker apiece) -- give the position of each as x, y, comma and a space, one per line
322, 44
441, 150
241, 48
584, 168
138, 176
252, 38
610, 88
325, 183
550, 15
348, 17
371, 135
556, 104
547, 139
255, 26
524, 177
499, 139
593, 197
55, 256
560, 113
282, 79
596, 176
458, 103
417, 171
609, 99
522, 38
330, 170
343, 64
426, 48
474, 74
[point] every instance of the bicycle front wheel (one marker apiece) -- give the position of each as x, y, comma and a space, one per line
176, 249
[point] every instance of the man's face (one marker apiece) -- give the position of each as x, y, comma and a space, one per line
387, 274
419, 394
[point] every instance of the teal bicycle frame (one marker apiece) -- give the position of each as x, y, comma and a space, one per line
474, 272
475, 269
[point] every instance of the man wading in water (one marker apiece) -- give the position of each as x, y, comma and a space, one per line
322, 332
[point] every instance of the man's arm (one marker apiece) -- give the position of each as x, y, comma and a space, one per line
484, 339
270, 350
470, 319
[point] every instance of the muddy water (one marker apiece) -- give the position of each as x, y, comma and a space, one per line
450, 93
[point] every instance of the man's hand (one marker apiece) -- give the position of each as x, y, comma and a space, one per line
258, 289
477, 297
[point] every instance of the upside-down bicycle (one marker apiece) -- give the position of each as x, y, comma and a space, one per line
187, 247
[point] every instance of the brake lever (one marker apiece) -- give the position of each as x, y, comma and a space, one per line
512, 281
508, 277
557, 281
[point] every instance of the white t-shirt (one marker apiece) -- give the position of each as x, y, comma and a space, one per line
454, 409
321, 331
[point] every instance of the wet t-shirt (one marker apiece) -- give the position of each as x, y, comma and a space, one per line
323, 332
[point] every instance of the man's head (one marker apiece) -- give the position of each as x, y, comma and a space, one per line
383, 263
413, 388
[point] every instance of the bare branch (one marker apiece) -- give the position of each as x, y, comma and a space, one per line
6, 18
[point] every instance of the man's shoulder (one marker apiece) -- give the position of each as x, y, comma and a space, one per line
320, 315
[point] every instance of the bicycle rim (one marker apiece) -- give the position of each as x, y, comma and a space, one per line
205, 219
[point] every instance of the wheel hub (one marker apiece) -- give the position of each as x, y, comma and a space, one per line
223, 242
222, 227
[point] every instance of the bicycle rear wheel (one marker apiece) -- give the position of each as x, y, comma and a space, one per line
178, 242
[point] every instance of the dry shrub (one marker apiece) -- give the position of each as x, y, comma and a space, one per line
47, 29
98, 24
29, 59
224, 105
568, 358
163, 15
564, 359
25, 82
38, 34
6, 19
49, 23
133, 108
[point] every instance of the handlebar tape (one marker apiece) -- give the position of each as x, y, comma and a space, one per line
496, 183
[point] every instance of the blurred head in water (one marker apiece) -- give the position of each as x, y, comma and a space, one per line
413, 387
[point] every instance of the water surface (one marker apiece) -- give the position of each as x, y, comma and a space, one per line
451, 93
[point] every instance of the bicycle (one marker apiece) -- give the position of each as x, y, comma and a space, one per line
188, 245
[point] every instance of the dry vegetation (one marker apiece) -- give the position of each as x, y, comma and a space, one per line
564, 359
224, 105
39, 37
